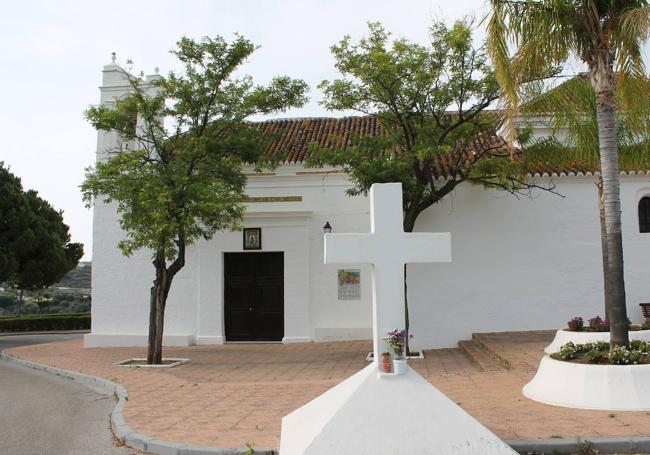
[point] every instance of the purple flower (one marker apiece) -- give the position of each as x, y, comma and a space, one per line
576, 323
396, 340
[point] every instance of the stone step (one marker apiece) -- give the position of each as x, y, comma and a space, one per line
480, 357
514, 350
492, 349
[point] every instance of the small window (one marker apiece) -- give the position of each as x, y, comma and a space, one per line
644, 214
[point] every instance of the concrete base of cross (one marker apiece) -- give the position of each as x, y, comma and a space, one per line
386, 414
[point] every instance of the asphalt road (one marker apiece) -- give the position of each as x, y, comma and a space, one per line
42, 414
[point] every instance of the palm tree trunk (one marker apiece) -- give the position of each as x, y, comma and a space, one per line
603, 242
615, 287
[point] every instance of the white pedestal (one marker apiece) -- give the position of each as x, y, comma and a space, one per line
385, 414
563, 336
583, 386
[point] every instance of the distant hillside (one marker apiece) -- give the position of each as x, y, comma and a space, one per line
78, 278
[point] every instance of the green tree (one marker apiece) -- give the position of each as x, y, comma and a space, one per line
177, 183
431, 102
35, 240
13, 212
43, 300
605, 35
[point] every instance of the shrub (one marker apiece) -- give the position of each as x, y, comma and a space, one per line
568, 351
7, 302
48, 322
642, 346
576, 324
618, 355
646, 324
586, 448
595, 355
598, 325
599, 352
601, 345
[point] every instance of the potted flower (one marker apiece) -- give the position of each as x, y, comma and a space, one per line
396, 340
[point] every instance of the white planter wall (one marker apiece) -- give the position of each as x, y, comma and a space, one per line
600, 387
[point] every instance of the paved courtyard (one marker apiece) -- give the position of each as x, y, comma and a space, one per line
237, 393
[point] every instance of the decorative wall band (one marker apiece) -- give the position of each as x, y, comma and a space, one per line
273, 199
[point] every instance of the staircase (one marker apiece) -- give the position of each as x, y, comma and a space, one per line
503, 351
484, 359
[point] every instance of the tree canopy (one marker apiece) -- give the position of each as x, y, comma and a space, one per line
177, 175
175, 185
433, 103
35, 247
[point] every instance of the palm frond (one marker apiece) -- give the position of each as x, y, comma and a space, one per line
539, 31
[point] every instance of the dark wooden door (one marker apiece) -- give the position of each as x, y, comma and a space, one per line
254, 296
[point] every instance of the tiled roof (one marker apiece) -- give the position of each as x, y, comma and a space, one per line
296, 136
570, 167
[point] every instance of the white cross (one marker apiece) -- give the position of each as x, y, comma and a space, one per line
387, 248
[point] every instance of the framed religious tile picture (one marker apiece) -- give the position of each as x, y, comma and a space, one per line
349, 284
252, 238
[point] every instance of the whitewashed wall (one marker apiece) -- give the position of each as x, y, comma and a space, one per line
195, 306
523, 264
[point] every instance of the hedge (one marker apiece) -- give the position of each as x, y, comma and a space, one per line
46, 322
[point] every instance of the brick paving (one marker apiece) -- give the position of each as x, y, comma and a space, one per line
237, 393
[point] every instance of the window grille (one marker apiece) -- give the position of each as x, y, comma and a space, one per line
644, 214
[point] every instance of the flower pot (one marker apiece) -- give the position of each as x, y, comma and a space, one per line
385, 362
399, 366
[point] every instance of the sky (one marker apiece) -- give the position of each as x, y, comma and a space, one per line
53, 52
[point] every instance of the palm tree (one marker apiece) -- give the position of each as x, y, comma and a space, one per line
606, 36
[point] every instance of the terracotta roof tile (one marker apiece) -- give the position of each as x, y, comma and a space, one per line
295, 136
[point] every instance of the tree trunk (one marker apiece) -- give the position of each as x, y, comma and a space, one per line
19, 302
162, 290
603, 243
156, 319
406, 310
615, 287
408, 224
158, 300
159, 293
152, 324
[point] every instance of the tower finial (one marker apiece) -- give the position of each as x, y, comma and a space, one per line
113, 57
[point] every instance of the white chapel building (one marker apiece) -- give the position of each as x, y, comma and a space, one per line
517, 264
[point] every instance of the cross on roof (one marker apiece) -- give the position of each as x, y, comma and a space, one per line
387, 248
